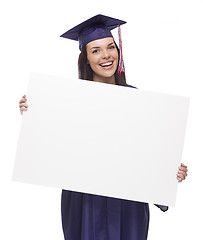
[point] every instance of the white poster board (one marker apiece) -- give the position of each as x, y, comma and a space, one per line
102, 139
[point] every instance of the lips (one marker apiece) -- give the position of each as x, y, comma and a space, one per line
106, 64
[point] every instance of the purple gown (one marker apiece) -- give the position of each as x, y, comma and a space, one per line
93, 217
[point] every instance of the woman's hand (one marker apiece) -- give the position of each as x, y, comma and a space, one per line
23, 105
182, 172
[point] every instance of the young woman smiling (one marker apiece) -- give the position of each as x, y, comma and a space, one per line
102, 56
87, 216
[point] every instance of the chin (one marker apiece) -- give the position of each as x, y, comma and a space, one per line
107, 74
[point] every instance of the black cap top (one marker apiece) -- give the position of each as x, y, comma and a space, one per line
97, 27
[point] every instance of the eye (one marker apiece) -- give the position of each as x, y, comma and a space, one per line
95, 51
112, 47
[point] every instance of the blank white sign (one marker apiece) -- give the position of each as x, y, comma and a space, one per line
101, 139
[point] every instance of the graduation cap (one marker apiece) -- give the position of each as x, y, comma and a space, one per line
95, 28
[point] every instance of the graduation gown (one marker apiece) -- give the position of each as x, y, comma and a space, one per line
93, 217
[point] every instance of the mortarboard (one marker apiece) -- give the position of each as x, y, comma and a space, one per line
95, 28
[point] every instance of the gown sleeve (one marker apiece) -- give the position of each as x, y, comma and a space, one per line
162, 207
128, 85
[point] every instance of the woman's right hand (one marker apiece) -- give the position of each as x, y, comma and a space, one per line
23, 105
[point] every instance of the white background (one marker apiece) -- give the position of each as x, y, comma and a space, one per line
163, 52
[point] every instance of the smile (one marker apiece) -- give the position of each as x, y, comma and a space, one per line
106, 64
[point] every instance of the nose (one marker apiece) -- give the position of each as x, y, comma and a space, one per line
106, 54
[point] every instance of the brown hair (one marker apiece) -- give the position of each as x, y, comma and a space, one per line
85, 71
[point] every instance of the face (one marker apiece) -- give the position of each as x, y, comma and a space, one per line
102, 55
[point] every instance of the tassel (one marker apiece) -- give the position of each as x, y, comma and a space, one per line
121, 68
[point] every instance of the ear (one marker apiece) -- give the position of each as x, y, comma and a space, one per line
88, 61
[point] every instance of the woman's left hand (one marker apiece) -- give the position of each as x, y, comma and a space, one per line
182, 173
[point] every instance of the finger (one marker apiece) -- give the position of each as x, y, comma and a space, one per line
183, 165
23, 105
179, 179
181, 176
183, 169
23, 99
22, 109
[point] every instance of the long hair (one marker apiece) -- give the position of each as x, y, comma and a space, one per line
85, 71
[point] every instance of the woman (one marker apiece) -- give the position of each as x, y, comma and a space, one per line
87, 216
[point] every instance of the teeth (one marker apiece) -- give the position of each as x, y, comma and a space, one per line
106, 64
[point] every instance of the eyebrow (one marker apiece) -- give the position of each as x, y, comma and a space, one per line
107, 45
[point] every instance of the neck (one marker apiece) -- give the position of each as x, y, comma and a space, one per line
110, 80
